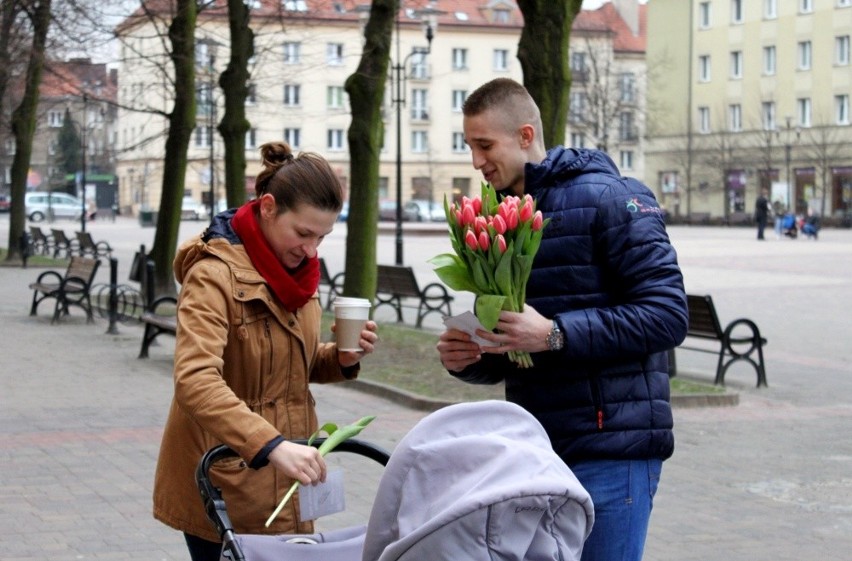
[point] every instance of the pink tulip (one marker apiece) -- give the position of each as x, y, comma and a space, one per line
499, 224
480, 224
512, 219
526, 212
458, 215
477, 205
528, 199
501, 243
470, 240
538, 221
484, 241
468, 215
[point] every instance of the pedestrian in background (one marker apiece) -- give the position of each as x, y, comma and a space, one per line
762, 212
248, 346
605, 302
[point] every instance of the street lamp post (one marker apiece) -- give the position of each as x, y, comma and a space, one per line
83, 163
399, 77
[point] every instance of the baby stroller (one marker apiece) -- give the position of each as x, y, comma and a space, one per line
788, 226
470, 481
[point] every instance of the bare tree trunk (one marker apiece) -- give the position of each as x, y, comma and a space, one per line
24, 123
181, 123
543, 54
233, 81
366, 89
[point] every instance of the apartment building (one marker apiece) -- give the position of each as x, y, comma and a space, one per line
749, 95
306, 49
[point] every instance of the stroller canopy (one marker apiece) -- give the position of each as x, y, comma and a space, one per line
478, 481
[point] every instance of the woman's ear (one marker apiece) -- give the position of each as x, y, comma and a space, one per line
268, 208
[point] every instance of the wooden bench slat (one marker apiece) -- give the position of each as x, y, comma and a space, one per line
71, 289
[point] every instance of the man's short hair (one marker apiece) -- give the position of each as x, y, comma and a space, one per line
504, 93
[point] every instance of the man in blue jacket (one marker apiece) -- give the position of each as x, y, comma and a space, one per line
605, 301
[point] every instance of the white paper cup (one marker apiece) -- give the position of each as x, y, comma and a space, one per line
350, 317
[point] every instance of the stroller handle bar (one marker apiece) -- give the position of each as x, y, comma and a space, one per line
214, 505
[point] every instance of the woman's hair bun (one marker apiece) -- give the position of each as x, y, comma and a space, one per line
274, 154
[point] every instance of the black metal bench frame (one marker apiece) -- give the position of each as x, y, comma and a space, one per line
41, 242
155, 322
71, 289
395, 283
734, 347
62, 243
333, 284
88, 246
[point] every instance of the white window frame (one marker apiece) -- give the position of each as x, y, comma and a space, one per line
501, 60
55, 118
419, 66
419, 142
841, 50
804, 110
251, 139
704, 73
292, 95
704, 15
844, 3
806, 6
627, 87
292, 52
294, 5
767, 115
420, 104
804, 55
458, 100
459, 145
770, 9
736, 65
203, 136
736, 11
293, 137
841, 109
335, 140
770, 60
735, 117
459, 59
335, 97
576, 106
704, 120
334, 54
626, 160
578, 140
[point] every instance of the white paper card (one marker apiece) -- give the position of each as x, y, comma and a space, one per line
468, 323
323, 499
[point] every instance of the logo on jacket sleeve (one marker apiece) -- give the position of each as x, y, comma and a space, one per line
634, 206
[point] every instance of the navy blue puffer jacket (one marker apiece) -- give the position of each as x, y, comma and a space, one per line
608, 275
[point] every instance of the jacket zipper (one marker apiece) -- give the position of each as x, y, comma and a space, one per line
596, 397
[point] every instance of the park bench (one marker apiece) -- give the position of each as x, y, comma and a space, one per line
41, 242
88, 246
740, 340
71, 289
159, 315
395, 284
333, 284
62, 243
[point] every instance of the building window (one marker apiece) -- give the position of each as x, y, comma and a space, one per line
293, 137
626, 157
704, 120
578, 140
335, 140
10, 151
841, 109
202, 137
704, 15
736, 64
736, 11
334, 54
626, 130
251, 139
292, 52
501, 15
770, 9
334, 97
704, 68
419, 104
419, 141
419, 67
768, 115
806, 6
501, 60
251, 94
458, 100
295, 5
735, 117
291, 95
459, 59
55, 119
576, 107
459, 145
841, 50
769, 60
804, 55
803, 105
627, 87
844, 3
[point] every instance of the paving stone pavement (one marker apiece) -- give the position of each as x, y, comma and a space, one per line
770, 478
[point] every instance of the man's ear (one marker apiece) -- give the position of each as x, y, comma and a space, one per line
527, 135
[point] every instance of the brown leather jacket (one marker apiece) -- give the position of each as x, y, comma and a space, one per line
241, 374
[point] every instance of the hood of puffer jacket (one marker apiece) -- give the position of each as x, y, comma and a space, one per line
563, 163
195, 249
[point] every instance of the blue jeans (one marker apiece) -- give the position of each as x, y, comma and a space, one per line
623, 493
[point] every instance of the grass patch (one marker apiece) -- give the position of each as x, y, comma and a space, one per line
406, 358
35, 261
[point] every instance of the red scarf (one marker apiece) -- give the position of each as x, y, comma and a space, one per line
292, 287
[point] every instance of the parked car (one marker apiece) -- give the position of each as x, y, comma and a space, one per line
5, 203
387, 210
191, 209
424, 211
344, 212
40, 204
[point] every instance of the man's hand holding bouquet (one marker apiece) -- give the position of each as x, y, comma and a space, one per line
494, 243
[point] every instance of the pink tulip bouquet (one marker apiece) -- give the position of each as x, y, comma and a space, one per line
494, 243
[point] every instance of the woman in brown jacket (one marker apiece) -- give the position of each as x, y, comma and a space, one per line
248, 344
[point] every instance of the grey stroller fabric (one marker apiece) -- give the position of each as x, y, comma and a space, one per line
337, 545
478, 481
